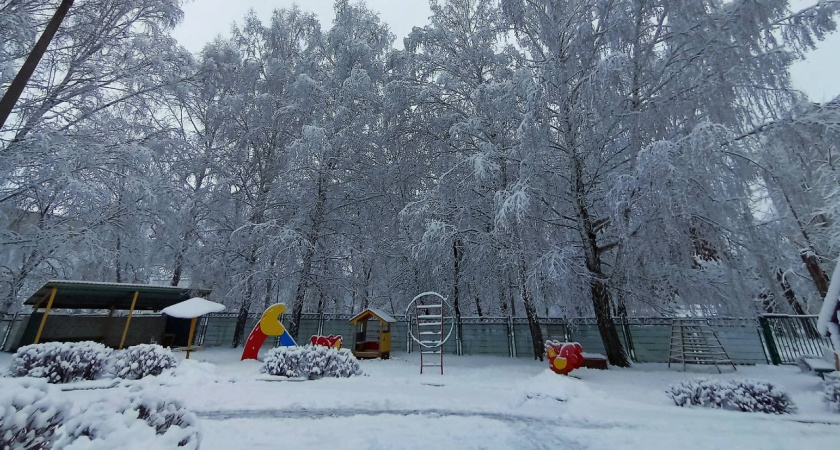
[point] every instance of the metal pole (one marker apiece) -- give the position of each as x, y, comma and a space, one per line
128, 320
46, 313
12, 95
190, 339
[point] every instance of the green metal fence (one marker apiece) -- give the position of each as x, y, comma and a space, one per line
778, 339
790, 337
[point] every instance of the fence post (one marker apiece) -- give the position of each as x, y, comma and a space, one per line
769, 340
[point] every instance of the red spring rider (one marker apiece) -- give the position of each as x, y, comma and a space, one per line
327, 341
563, 357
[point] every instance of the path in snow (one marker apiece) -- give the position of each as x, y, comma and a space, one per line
433, 413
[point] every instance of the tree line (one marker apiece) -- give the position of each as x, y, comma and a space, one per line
606, 158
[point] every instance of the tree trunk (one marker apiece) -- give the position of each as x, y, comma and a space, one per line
12, 94
601, 300
269, 282
178, 265
306, 266
16, 284
478, 310
503, 297
809, 257
241, 319
457, 255
119, 257
531, 313
303, 284
797, 308
245, 306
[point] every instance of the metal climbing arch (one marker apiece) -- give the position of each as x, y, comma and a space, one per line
429, 316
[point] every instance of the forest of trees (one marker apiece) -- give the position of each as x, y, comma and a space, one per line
526, 158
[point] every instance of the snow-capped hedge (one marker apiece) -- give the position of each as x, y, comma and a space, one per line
310, 362
832, 392
145, 420
143, 360
736, 395
30, 413
60, 362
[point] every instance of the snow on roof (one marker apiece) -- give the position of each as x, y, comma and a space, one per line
192, 308
114, 284
79, 294
382, 315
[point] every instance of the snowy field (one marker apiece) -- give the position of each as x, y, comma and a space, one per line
481, 402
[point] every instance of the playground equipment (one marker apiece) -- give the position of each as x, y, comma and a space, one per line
327, 341
364, 348
269, 325
428, 313
563, 357
694, 341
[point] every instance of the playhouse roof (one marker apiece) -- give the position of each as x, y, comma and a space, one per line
381, 315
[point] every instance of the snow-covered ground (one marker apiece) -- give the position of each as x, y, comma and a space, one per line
481, 402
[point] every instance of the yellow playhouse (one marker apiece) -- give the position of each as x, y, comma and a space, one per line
365, 348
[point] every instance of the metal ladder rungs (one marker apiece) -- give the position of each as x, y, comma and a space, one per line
430, 319
696, 342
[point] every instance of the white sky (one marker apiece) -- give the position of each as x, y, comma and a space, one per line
818, 75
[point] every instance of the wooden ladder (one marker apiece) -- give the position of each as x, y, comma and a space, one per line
429, 320
693, 341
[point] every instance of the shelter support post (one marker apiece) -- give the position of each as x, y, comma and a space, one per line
128, 320
46, 313
190, 339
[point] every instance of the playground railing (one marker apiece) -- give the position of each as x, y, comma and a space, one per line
777, 339
789, 337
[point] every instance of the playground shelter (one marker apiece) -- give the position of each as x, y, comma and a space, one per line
71, 296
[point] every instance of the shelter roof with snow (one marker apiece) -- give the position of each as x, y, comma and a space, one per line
71, 294
192, 308
373, 312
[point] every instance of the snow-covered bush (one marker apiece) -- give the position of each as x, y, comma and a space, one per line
341, 364
310, 362
831, 392
697, 393
142, 419
736, 395
760, 396
143, 360
30, 413
60, 362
